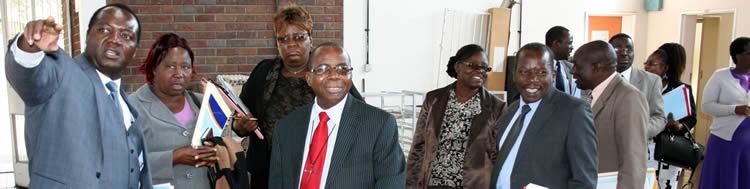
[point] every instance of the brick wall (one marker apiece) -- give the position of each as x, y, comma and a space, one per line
227, 36
76, 38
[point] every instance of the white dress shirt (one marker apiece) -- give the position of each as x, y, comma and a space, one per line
626, 74
30, 60
503, 180
599, 89
334, 115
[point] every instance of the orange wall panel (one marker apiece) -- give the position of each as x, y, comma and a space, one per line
613, 24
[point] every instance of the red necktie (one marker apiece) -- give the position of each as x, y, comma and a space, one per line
316, 155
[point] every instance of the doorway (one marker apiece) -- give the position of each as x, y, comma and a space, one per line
706, 36
604, 26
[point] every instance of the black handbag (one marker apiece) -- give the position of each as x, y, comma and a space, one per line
677, 150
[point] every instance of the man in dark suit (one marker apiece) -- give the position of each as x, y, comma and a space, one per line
80, 128
559, 40
620, 114
546, 138
338, 141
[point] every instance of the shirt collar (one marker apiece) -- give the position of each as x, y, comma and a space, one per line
105, 79
626, 74
599, 89
334, 113
532, 105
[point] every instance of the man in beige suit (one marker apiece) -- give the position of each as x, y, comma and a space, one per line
649, 84
620, 113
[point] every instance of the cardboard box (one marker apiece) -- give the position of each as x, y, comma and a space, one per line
498, 48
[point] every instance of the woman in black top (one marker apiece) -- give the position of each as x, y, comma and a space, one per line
277, 87
668, 62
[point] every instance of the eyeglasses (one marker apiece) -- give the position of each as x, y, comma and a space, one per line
626, 50
341, 69
480, 66
651, 64
298, 38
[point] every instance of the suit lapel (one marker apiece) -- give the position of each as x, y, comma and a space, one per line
345, 138
476, 126
296, 139
635, 77
100, 98
542, 113
157, 108
606, 94
504, 121
438, 111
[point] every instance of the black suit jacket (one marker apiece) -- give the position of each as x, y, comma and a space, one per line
559, 148
366, 154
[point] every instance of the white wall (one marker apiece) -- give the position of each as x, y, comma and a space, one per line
86, 9
664, 26
404, 41
405, 35
540, 15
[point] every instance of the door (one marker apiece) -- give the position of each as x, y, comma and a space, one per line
713, 34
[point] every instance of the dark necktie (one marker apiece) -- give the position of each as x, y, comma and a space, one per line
114, 95
560, 83
510, 140
316, 155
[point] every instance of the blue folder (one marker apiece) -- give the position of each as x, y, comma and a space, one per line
677, 102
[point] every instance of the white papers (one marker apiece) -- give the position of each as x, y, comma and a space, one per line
608, 180
164, 186
499, 62
677, 102
534, 186
599, 35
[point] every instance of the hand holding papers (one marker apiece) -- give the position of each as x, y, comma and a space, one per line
216, 109
677, 102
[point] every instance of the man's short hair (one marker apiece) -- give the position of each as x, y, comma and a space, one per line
123, 7
619, 35
538, 47
599, 52
326, 44
555, 33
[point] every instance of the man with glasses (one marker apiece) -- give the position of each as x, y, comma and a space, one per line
337, 141
649, 84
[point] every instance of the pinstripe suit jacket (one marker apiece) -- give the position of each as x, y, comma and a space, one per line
366, 154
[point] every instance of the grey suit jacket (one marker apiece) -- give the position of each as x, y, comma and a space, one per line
650, 85
75, 136
559, 149
163, 135
566, 66
620, 118
366, 155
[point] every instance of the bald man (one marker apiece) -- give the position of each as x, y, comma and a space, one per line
620, 113
338, 141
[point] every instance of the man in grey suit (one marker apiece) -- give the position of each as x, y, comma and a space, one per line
648, 83
338, 141
620, 114
80, 128
553, 144
559, 40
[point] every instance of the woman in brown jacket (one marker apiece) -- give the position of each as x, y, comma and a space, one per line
455, 141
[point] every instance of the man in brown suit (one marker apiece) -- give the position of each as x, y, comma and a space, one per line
620, 113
